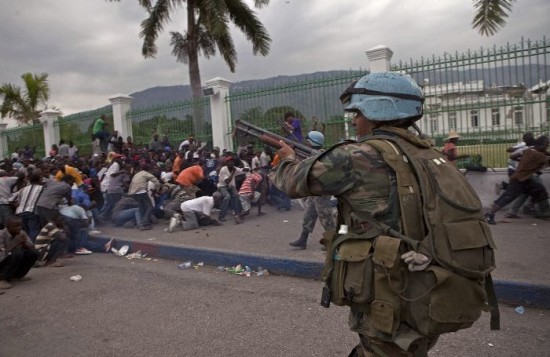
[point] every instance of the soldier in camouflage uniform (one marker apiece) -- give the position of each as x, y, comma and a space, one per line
356, 174
315, 206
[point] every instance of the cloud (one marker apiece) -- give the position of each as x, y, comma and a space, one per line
91, 49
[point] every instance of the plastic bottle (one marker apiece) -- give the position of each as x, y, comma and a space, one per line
185, 265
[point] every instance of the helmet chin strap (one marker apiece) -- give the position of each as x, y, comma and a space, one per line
417, 128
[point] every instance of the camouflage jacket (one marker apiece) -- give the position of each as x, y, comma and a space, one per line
355, 173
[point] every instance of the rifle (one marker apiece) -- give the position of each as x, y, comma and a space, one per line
246, 130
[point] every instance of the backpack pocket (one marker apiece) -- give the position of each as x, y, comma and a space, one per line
470, 247
352, 273
434, 307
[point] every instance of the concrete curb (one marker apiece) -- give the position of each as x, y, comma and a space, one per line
508, 292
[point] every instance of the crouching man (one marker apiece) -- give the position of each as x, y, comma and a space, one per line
17, 253
197, 212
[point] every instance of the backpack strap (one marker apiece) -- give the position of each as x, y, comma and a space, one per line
493, 303
410, 199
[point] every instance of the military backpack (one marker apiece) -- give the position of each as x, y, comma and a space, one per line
441, 217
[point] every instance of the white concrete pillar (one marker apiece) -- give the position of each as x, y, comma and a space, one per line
3, 141
220, 112
379, 58
121, 105
51, 131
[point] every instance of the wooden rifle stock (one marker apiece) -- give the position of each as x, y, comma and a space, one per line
247, 130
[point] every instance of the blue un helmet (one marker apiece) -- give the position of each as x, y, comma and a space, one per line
316, 139
384, 96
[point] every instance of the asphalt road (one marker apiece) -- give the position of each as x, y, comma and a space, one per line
144, 307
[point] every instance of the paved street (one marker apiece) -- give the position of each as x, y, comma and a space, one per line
144, 307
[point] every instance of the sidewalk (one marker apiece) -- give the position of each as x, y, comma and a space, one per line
521, 277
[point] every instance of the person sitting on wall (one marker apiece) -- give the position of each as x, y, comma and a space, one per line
99, 131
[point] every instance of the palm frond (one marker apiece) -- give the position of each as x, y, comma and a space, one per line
179, 47
260, 3
246, 20
490, 15
206, 44
159, 16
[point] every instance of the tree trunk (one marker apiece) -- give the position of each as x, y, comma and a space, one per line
194, 72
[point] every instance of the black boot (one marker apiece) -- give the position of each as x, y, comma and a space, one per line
302, 241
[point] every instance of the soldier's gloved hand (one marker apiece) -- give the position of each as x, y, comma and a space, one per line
416, 261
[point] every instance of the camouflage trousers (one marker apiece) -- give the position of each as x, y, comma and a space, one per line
318, 207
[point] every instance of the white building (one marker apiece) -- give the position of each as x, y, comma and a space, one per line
473, 107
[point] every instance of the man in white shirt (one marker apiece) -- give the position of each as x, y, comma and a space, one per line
227, 187
199, 207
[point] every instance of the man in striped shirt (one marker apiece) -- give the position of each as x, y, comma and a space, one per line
248, 194
26, 199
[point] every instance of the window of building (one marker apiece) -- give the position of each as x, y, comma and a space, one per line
433, 125
495, 116
518, 115
474, 118
452, 120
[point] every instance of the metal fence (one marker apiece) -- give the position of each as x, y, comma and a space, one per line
313, 99
490, 96
18, 138
78, 128
177, 121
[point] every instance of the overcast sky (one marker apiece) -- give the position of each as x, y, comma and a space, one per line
91, 49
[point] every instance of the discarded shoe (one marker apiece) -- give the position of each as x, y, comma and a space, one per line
490, 218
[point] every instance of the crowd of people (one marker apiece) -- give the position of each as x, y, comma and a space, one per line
526, 161
50, 206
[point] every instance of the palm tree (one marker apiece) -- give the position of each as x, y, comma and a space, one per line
207, 29
25, 106
490, 15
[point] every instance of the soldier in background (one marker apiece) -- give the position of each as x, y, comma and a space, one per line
315, 206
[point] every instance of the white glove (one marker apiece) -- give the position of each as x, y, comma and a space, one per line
416, 261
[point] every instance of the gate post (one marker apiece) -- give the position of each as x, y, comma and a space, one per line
220, 110
3, 141
48, 119
121, 105
379, 58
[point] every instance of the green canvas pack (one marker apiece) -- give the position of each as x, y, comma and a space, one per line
441, 217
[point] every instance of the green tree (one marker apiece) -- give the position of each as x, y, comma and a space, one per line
25, 105
490, 15
208, 29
